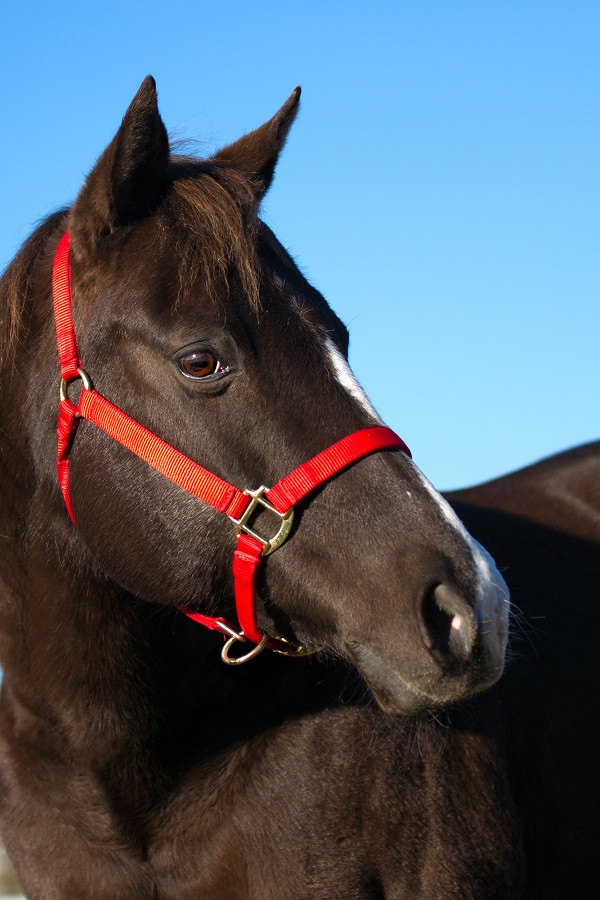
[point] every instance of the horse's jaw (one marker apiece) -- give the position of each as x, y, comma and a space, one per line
400, 694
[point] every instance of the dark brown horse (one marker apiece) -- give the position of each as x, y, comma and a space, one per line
135, 765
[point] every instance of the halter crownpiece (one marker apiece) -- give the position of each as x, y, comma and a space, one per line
192, 477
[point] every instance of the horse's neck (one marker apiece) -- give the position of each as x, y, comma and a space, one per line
110, 672
69, 649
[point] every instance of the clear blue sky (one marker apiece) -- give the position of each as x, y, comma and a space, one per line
440, 186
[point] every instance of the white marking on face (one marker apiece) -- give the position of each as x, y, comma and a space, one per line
492, 592
346, 377
492, 601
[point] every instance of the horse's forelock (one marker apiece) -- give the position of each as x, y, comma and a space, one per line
214, 213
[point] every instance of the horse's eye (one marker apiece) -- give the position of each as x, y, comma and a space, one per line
199, 364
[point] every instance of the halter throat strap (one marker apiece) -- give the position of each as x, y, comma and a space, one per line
195, 479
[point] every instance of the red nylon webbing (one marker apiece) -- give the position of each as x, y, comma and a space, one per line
329, 462
68, 353
207, 621
186, 473
246, 563
67, 425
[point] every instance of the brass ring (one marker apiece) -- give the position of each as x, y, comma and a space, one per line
238, 660
81, 373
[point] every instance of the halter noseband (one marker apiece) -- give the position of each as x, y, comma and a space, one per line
189, 475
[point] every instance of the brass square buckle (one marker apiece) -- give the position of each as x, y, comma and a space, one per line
258, 499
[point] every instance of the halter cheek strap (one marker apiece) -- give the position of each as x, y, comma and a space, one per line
196, 480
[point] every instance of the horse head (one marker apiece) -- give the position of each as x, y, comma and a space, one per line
193, 319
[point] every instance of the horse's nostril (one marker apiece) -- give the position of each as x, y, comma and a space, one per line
448, 621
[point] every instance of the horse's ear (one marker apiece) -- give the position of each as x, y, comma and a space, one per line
127, 180
255, 154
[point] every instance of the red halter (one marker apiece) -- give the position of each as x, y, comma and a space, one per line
189, 475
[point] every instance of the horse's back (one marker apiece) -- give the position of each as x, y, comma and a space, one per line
561, 492
542, 524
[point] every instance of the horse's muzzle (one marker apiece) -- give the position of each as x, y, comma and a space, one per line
461, 652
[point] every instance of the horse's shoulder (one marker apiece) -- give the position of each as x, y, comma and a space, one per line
561, 492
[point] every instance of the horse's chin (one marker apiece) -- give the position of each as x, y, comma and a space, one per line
400, 696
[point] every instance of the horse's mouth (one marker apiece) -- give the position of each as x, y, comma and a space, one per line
414, 695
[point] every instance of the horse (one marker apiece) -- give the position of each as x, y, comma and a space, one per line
217, 689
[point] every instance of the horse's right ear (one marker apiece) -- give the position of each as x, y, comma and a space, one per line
127, 180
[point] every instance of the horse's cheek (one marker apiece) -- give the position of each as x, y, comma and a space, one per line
142, 530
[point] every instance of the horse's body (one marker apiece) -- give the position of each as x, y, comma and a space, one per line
134, 764
543, 526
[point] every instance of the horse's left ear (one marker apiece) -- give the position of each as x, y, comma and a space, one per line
127, 180
255, 154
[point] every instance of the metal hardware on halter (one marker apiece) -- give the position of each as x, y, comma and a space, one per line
258, 499
300, 650
65, 382
238, 637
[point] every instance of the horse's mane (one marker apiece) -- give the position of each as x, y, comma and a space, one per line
16, 287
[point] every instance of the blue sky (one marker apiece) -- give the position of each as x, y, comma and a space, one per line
440, 186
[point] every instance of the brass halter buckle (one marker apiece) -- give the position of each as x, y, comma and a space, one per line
258, 499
